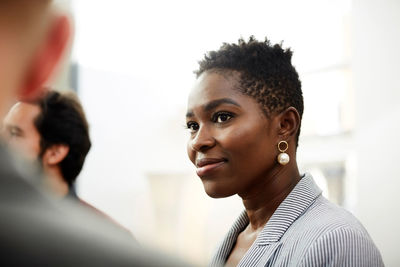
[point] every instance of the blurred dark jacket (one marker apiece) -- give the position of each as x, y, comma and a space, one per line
36, 230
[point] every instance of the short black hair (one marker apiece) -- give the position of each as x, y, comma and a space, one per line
266, 73
62, 121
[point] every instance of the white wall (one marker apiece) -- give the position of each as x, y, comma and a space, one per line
376, 68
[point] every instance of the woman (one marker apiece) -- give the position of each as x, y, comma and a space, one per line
244, 115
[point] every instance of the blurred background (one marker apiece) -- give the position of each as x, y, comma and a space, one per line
132, 66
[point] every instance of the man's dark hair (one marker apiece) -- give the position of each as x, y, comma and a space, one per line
62, 121
265, 72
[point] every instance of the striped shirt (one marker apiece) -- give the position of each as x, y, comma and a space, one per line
305, 230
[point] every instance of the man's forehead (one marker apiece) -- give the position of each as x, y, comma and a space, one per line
24, 106
23, 111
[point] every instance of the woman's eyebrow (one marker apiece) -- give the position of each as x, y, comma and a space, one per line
215, 103
189, 114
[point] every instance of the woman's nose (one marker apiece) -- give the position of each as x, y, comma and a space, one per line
203, 140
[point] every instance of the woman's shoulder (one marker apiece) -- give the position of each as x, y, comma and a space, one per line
324, 220
325, 216
329, 233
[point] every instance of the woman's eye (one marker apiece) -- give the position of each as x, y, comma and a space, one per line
222, 117
192, 126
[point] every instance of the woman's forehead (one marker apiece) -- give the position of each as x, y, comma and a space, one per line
211, 85
213, 90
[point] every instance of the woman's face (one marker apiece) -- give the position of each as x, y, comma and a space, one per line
232, 143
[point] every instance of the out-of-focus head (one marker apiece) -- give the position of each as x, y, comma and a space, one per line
52, 129
33, 38
247, 98
20, 132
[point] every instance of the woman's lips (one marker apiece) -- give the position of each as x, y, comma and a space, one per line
207, 166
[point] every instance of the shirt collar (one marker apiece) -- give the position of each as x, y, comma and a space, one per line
295, 204
298, 200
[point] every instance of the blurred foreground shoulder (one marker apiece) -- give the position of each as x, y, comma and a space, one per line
36, 230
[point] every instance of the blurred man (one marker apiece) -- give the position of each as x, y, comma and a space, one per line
35, 230
53, 131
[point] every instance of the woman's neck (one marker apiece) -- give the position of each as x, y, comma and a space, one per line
263, 199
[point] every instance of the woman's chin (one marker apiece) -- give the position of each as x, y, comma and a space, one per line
215, 191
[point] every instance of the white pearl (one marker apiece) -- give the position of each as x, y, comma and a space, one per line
283, 158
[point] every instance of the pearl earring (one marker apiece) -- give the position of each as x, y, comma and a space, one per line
283, 158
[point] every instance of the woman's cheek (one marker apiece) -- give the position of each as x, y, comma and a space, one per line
240, 137
190, 152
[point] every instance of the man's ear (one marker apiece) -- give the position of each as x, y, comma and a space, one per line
46, 58
55, 154
289, 123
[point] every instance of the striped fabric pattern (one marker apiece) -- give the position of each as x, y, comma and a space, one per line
305, 230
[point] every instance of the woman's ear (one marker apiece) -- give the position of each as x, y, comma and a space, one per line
46, 58
289, 123
55, 154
